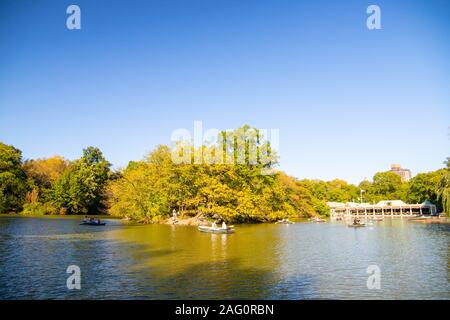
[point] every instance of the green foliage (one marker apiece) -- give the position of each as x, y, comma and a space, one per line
335, 190
236, 191
41, 176
224, 180
385, 186
443, 188
13, 185
39, 208
81, 188
423, 187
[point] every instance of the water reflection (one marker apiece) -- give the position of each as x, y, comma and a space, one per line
301, 261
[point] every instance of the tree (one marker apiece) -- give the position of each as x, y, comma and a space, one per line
13, 185
45, 172
443, 188
41, 176
336, 190
424, 187
234, 191
318, 188
142, 191
81, 188
387, 186
368, 196
298, 199
341, 191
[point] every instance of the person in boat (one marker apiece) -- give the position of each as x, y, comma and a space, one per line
356, 221
224, 225
214, 225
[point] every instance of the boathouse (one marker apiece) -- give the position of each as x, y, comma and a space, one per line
395, 208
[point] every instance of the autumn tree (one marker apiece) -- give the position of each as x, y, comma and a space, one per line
238, 190
41, 176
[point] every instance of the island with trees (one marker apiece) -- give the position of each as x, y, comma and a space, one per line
149, 190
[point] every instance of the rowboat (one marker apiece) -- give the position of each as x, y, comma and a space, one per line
317, 219
215, 230
419, 218
284, 222
92, 223
358, 225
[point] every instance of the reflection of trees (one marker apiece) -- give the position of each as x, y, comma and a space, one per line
186, 264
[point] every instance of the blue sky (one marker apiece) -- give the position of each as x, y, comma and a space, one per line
348, 101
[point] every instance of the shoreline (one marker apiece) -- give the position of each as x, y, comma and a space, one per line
182, 221
202, 221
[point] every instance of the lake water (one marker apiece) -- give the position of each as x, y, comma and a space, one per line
264, 261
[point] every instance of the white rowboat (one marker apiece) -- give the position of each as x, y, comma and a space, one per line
215, 230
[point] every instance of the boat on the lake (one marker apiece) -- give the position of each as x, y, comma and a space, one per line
431, 219
356, 225
229, 229
284, 221
92, 222
317, 219
420, 218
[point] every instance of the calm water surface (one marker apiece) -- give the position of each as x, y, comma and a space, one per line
266, 261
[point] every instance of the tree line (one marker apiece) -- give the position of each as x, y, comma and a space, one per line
53, 185
150, 189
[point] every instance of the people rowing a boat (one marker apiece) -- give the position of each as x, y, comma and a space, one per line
284, 221
92, 221
214, 229
357, 222
214, 225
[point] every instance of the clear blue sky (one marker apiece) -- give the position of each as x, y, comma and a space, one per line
348, 101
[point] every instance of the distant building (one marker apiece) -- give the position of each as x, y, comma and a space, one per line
383, 208
405, 174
